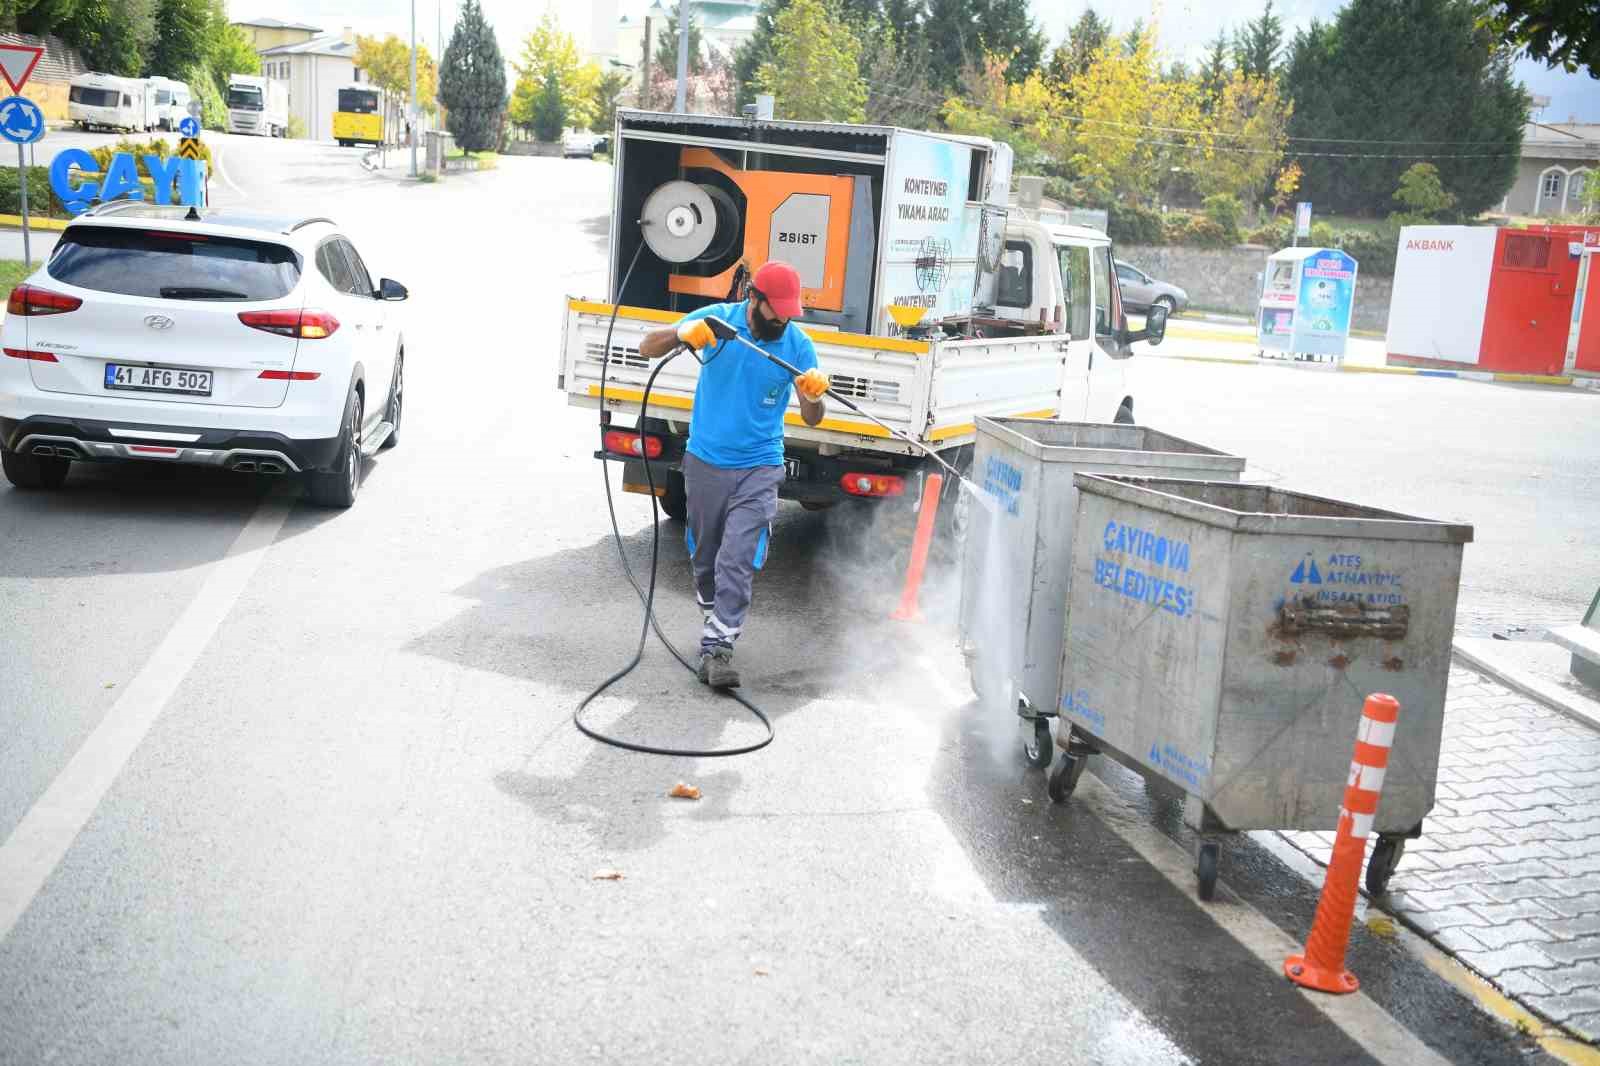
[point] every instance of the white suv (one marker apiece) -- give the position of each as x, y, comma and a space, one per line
251, 343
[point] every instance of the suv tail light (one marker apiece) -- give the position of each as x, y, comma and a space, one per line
863, 484
632, 444
31, 301
24, 353
308, 325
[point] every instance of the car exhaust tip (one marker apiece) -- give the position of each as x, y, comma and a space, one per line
245, 466
43, 449
269, 468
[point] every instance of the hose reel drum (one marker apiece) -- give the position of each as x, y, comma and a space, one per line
689, 222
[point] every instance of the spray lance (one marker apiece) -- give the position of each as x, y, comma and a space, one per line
724, 332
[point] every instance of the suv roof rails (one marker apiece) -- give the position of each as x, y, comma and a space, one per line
304, 222
107, 206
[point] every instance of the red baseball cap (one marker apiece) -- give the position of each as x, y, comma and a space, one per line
780, 284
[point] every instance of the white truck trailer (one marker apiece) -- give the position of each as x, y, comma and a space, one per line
258, 106
928, 306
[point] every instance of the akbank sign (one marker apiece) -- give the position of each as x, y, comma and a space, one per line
177, 181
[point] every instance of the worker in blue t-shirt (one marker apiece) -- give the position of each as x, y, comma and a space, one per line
734, 463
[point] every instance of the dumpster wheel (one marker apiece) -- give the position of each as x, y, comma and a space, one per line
1385, 857
1064, 779
1205, 869
1041, 748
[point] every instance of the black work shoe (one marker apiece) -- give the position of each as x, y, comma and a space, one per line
716, 669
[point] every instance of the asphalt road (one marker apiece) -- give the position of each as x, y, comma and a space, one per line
303, 787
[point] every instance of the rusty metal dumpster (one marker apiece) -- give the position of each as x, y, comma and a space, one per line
1222, 637
1020, 553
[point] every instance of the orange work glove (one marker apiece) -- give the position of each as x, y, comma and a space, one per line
696, 334
812, 384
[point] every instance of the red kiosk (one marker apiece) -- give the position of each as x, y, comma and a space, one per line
1498, 299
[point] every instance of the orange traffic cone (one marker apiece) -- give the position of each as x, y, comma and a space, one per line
1322, 965
907, 611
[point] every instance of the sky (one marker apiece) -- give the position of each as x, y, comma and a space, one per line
1186, 26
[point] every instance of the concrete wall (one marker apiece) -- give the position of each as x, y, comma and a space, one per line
1229, 279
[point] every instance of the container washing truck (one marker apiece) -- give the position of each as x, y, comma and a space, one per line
928, 303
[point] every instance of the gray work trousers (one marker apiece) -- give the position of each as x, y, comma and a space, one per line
730, 519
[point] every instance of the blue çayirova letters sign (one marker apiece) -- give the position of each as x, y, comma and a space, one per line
185, 177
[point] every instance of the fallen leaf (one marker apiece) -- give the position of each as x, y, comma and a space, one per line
762, 973
111, 684
607, 875
1381, 926
683, 791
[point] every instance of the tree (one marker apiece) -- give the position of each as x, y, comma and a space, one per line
1025, 115
959, 34
387, 63
549, 110
1247, 134
1284, 186
1559, 33
1257, 46
756, 51
1422, 194
1006, 27
1135, 36
112, 36
899, 90
550, 50
603, 100
1084, 40
815, 70
181, 34
472, 83
228, 50
1216, 72
1395, 84
666, 52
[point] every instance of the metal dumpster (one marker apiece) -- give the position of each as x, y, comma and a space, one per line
1223, 637
1020, 555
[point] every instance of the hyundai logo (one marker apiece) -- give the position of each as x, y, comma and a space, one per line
158, 321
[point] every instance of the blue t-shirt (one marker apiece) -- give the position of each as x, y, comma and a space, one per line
741, 399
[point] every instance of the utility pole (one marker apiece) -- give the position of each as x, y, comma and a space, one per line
644, 66
412, 124
682, 104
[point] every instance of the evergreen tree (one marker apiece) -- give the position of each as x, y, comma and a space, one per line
1256, 48
756, 52
1216, 72
182, 31
472, 82
1084, 40
666, 53
1134, 37
1416, 74
549, 110
960, 33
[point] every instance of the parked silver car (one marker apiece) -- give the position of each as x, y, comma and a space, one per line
1140, 291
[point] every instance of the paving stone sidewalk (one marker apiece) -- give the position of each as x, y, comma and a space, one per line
1506, 876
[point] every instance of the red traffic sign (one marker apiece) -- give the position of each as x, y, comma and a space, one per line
17, 62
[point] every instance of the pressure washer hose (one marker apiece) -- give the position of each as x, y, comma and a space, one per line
647, 595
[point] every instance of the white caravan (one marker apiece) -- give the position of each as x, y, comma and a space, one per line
171, 102
258, 105
110, 102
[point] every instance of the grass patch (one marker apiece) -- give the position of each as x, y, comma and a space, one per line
1351, 222
14, 272
427, 177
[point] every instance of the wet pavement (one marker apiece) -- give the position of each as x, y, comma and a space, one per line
1506, 875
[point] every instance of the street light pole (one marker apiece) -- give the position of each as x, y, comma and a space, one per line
412, 123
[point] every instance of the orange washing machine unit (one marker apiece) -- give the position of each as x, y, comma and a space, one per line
803, 219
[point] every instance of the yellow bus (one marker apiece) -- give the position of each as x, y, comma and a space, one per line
359, 117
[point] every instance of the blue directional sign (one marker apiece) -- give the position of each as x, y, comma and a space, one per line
189, 128
21, 121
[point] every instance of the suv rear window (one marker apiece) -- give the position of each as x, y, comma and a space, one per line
173, 265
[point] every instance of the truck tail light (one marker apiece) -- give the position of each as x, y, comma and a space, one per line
31, 301
863, 484
309, 324
633, 444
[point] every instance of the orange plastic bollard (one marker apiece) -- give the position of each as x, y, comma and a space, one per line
1322, 965
908, 611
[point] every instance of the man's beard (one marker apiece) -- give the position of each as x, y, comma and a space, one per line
765, 329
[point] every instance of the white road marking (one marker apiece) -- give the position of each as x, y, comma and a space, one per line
216, 157
42, 838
